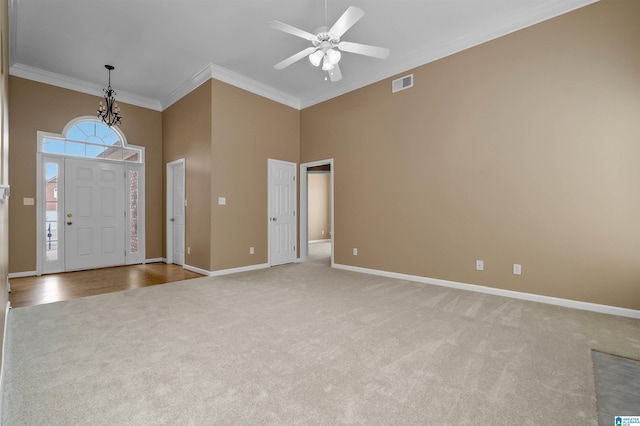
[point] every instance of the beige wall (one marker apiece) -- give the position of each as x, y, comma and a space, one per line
319, 190
226, 136
521, 150
247, 131
35, 106
186, 133
4, 167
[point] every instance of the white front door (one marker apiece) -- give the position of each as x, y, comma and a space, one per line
282, 212
176, 218
94, 215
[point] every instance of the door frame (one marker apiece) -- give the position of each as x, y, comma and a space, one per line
271, 161
40, 202
169, 207
304, 207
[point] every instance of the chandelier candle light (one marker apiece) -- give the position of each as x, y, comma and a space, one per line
109, 114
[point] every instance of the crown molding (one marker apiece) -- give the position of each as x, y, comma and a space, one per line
186, 87
234, 79
438, 50
544, 10
253, 86
36, 74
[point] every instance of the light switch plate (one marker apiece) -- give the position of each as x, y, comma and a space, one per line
28, 201
222, 201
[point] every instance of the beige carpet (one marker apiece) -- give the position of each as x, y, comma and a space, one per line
305, 345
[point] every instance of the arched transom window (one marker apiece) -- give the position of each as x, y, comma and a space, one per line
90, 138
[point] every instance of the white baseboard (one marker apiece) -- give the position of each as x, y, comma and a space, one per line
240, 269
226, 271
320, 241
156, 260
4, 351
567, 303
22, 274
197, 270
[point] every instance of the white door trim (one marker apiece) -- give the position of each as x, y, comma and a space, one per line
169, 206
270, 162
41, 159
304, 207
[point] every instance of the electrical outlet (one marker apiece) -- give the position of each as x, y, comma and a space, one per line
355, 251
323, 232
188, 250
517, 269
479, 265
251, 250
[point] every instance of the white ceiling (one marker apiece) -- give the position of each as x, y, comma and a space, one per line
162, 49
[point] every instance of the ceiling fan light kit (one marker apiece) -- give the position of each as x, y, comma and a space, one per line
327, 44
333, 56
316, 57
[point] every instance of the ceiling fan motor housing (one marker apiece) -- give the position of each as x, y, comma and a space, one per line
326, 40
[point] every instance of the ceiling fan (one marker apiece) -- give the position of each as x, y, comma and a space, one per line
326, 44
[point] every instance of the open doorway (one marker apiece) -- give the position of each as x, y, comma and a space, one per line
316, 207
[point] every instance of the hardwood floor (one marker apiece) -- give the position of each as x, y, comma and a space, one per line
30, 291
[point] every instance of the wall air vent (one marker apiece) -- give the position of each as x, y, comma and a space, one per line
402, 83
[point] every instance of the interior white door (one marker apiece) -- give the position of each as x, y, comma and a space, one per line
177, 217
282, 212
94, 214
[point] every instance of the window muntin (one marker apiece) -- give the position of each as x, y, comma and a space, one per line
91, 139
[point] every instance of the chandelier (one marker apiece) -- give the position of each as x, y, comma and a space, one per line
109, 113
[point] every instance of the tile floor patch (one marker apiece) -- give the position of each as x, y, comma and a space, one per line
617, 381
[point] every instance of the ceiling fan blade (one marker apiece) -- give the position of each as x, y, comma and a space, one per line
281, 26
295, 58
346, 21
335, 74
364, 49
